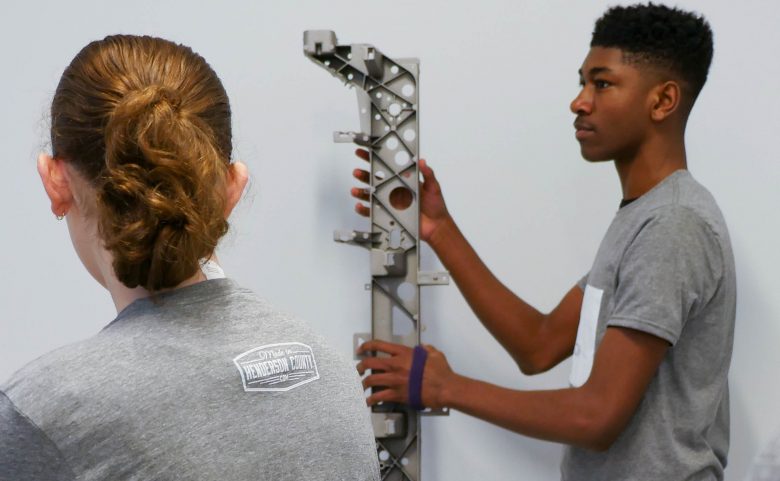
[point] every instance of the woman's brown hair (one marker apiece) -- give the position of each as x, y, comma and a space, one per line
147, 123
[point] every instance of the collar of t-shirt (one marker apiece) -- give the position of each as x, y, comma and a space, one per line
625, 202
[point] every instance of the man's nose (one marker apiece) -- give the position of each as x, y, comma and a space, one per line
582, 104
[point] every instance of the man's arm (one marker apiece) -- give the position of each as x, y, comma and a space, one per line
591, 416
536, 341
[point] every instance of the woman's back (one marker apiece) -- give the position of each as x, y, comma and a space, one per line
212, 383
195, 379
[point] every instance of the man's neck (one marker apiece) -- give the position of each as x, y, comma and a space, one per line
649, 167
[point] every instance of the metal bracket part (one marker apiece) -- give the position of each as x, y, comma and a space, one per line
388, 101
352, 137
353, 237
433, 278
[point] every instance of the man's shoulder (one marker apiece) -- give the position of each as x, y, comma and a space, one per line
680, 204
684, 193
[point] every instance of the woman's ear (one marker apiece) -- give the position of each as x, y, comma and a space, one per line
56, 183
238, 176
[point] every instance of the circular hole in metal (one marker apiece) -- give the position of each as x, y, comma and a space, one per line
377, 117
394, 109
401, 198
409, 135
408, 90
401, 157
379, 174
404, 461
391, 143
379, 95
384, 455
350, 76
406, 291
394, 69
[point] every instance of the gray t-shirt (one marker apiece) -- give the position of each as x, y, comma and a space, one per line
211, 383
665, 267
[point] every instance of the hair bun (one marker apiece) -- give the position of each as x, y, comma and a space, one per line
149, 122
137, 101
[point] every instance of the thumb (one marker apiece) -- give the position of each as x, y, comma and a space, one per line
429, 178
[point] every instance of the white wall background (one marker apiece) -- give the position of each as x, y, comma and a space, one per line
497, 79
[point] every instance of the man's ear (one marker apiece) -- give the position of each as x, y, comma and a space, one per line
665, 100
238, 176
56, 182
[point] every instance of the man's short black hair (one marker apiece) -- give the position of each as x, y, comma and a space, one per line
660, 36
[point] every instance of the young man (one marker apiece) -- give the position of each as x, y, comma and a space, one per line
651, 325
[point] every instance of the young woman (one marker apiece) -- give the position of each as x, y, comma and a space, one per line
196, 378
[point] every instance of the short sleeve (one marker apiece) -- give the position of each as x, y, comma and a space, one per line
669, 271
26, 453
583, 282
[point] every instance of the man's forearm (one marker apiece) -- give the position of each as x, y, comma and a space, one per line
513, 322
570, 416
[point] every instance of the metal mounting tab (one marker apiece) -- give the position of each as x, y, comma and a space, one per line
433, 278
358, 138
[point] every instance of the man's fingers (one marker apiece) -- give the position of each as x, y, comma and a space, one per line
362, 194
425, 170
385, 379
376, 364
362, 210
361, 175
362, 153
386, 395
382, 346
430, 184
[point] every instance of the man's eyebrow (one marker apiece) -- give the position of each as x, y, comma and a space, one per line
595, 71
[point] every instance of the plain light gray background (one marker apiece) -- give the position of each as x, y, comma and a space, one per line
497, 79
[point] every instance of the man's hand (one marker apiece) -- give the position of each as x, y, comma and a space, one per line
394, 374
433, 210
591, 416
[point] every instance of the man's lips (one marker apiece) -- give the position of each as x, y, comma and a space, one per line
584, 129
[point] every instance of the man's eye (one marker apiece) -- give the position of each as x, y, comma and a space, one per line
601, 84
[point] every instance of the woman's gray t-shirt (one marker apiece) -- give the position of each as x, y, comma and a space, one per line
208, 383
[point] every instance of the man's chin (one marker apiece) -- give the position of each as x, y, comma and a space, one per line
594, 156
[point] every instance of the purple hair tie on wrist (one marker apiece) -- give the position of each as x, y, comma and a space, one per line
420, 355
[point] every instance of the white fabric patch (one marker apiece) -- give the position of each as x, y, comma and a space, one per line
585, 345
277, 367
211, 270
